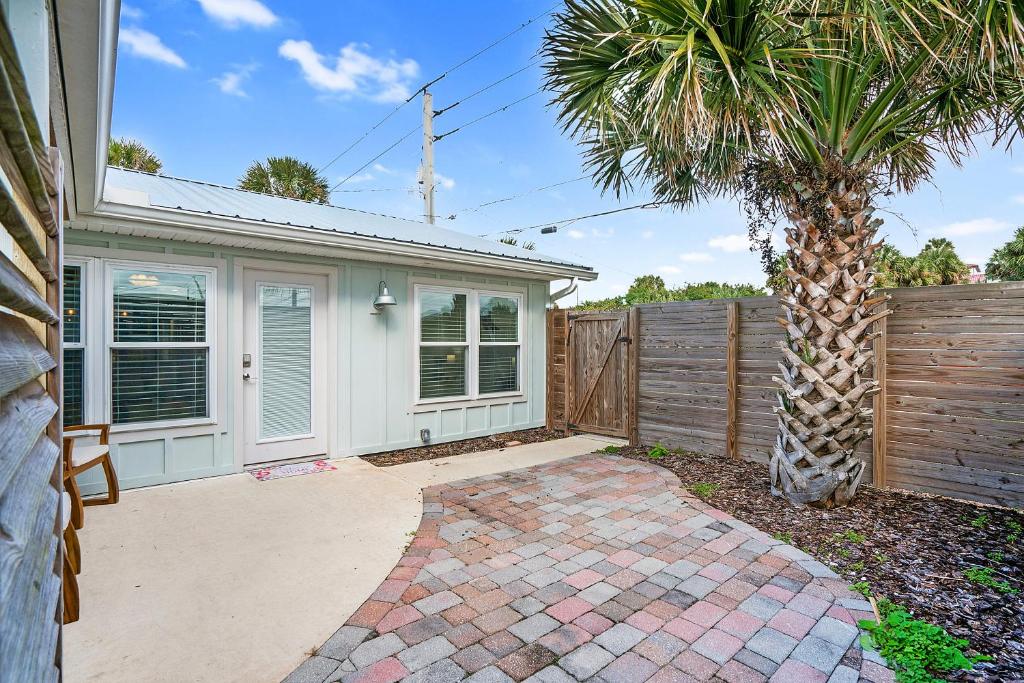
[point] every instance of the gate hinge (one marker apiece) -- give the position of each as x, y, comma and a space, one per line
626, 339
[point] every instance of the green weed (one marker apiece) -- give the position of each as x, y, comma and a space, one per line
881, 559
861, 587
853, 536
1015, 528
783, 536
703, 489
857, 566
657, 451
980, 522
611, 449
983, 577
995, 556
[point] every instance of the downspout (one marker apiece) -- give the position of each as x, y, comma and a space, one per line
564, 292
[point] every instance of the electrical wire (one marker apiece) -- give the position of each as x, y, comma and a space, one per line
485, 88
396, 143
379, 189
444, 74
570, 221
438, 138
514, 196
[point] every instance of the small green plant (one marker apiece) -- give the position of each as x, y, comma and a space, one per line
857, 566
995, 556
917, 651
842, 552
1015, 528
703, 489
611, 449
881, 559
657, 451
980, 522
853, 536
983, 577
783, 536
861, 587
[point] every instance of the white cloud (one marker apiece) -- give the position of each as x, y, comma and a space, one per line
647, 234
381, 168
976, 226
443, 181
230, 82
1017, 169
234, 13
1018, 199
696, 257
576, 234
670, 270
353, 71
361, 178
607, 232
149, 46
131, 12
730, 243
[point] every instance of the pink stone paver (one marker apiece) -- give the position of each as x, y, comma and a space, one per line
549, 552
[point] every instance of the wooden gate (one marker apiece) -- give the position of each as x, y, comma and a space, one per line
591, 360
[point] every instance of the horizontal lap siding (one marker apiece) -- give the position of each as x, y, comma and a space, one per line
955, 367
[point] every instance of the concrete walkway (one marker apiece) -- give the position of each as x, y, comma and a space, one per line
230, 579
596, 568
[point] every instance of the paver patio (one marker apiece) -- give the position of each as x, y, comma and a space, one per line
596, 567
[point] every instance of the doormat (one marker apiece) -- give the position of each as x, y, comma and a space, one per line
291, 470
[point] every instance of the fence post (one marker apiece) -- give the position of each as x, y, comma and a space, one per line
549, 372
881, 427
633, 426
731, 376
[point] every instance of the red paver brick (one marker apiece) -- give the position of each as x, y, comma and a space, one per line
593, 623
526, 661
397, 618
565, 639
390, 590
704, 613
583, 579
369, 613
625, 579
645, 621
501, 618
625, 558
459, 614
792, 623
700, 668
794, 671
735, 672
385, 671
740, 624
569, 609
685, 629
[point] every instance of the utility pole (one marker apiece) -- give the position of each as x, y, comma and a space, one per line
427, 170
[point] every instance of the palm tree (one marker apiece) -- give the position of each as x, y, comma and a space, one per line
132, 154
512, 241
1007, 262
808, 110
286, 177
939, 257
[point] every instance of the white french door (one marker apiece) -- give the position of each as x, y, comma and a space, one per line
284, 366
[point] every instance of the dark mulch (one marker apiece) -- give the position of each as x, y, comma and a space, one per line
914, 551
443, 450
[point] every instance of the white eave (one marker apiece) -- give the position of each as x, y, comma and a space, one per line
192, 227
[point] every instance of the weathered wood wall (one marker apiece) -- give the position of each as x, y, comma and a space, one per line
951, 414
30, 426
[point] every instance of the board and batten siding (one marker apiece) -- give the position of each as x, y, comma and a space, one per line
374, 362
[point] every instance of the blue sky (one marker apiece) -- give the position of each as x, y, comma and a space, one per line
211, 85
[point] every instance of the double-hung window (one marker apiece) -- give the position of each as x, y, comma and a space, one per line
159, 344
74, 345
469, 344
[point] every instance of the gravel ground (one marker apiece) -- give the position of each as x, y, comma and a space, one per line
911, 548
443, 450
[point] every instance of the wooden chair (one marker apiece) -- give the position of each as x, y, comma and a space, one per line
78, 459
71, 562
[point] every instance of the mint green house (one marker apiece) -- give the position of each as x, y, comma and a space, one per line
216, 329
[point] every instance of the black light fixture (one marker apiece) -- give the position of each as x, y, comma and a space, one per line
384, 297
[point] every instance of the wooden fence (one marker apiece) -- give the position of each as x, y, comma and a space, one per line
949, 420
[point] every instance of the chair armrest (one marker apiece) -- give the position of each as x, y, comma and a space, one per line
103, 429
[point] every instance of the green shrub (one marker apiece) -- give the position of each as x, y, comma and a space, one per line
703, 489
983, 577
861, 587
657, 451
611, 449
916, 650
783, 536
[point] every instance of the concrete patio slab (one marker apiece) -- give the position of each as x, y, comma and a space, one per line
230, 579
596, 568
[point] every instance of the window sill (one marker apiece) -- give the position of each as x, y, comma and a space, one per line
164, 424
463, 402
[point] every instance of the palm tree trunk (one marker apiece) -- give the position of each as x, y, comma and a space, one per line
824, 409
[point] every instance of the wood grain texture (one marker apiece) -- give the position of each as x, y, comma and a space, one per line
22, 357
731, 379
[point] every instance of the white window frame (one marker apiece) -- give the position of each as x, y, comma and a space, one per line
472, 343
84, 266
110, 265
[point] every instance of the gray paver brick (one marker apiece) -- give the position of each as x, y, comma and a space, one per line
697, 586
819, 653
834, 631
629, 668
772, 644
682, 569
551, 674
532, 628
426, 653
491, 674
586, 660
620, 638
527, 606
374, 650
438, 602
344, 640
761, 606
844, 674
599, 593
313, 670
545, 577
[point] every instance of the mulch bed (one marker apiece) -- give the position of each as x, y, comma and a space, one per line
910, 548
443, 450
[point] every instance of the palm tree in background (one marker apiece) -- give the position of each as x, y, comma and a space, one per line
132, 154
808, 111
512, 241
937, 264
939, 257
1007, 262
286, 177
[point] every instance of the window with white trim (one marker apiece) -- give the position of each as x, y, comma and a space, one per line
74, 345
159, 344
469, 343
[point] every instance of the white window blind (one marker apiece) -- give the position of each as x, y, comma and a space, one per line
160, 351
286, 356
443, 344
499, 344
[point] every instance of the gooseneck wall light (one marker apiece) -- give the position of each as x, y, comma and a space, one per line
384, 298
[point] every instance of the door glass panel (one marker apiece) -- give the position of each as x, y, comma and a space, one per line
286, 353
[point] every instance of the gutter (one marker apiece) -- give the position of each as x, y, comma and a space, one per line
564, 292
172, 221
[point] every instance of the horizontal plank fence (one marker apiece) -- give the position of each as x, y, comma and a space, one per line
950, 418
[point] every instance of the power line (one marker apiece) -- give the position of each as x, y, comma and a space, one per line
570, 221
485, 88
489, 114
396, 143
380, 189
515, 196
426, 85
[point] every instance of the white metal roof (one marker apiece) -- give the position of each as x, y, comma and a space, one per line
134, 188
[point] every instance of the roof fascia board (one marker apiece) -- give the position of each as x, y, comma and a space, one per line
170, 223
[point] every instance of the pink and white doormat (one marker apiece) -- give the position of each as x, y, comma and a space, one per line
291, 470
